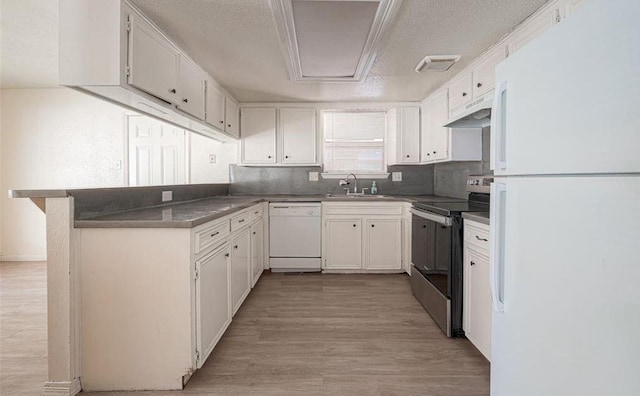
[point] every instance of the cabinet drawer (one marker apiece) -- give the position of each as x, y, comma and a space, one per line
477, 236
210, 235
256, 212
240, 220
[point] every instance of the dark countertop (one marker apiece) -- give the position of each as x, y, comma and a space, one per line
193, 213
479, 217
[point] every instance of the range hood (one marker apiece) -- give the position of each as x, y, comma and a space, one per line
476, 114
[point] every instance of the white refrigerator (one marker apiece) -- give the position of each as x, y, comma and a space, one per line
565, 209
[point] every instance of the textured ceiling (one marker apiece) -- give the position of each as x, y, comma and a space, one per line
29, 43
236, 41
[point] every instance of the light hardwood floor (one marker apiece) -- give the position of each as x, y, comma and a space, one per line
306, 334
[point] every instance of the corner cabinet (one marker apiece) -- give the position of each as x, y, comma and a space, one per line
362, 236
477, 309
272, 136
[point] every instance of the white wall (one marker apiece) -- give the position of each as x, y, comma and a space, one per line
202, 171
52, 138
60, 138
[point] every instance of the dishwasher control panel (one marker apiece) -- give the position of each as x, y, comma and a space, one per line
307, 209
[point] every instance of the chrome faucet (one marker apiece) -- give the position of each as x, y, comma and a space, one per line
345, 181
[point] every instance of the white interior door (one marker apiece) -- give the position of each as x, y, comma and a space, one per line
156, 153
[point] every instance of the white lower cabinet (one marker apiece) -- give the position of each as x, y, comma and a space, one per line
477, 308
362, 236
240, 268
257, 251
213, 303
343, 243
383, 243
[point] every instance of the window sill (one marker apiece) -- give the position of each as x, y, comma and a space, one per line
363, 176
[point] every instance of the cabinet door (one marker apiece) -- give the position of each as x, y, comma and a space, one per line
477, 301
460, 92
191, 88
231, 117
153, 61
213, 304
215, 106
440, 115
409, 139
426, 131
298, 134
484, 74
383, 243
258, 141
240, 268
343, 243
257, 251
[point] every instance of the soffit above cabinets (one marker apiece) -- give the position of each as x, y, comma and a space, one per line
330, 40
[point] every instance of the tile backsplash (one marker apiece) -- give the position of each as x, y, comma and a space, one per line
416, 180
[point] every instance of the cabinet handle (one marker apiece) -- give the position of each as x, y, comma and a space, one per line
256, 212
424, 226
464, 94
434, 152
222, 122
185, 100
254, 233
354, 225
482, 239
373, 225
408, 155
479, 85
215, 233
172, 90
241, 221
472, 263
229, 125
226, 255
268, 156
286, 156
428, 154
235, 247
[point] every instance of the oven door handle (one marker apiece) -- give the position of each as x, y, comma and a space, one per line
444, 220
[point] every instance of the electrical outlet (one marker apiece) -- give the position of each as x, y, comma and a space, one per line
167, 196
212, 158
117, 165
396, 176
313, 176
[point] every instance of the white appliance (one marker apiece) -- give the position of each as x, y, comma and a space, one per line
565, 209
295, 237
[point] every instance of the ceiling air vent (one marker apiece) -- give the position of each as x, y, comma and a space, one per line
437, 63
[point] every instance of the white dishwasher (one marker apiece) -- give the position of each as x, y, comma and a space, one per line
294, 237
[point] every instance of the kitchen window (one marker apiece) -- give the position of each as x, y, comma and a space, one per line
353, 142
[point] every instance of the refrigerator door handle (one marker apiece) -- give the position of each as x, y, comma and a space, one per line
498, 149
496, 235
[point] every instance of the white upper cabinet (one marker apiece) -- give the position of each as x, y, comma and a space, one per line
409, 136
439, 110
215, 101
231, 118
294, 144
484, 74
191, 88
403, 137
460, 91
135, 64
258, 144
297, 129
153, 61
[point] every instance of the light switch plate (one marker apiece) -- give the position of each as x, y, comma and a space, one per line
396, 176
313, 176
167, 196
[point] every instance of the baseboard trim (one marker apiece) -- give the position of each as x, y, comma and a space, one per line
70, 388
23, 258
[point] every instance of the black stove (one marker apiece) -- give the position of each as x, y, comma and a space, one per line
436, 253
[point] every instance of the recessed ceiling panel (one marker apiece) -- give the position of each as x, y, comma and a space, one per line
331, 35
330, 40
